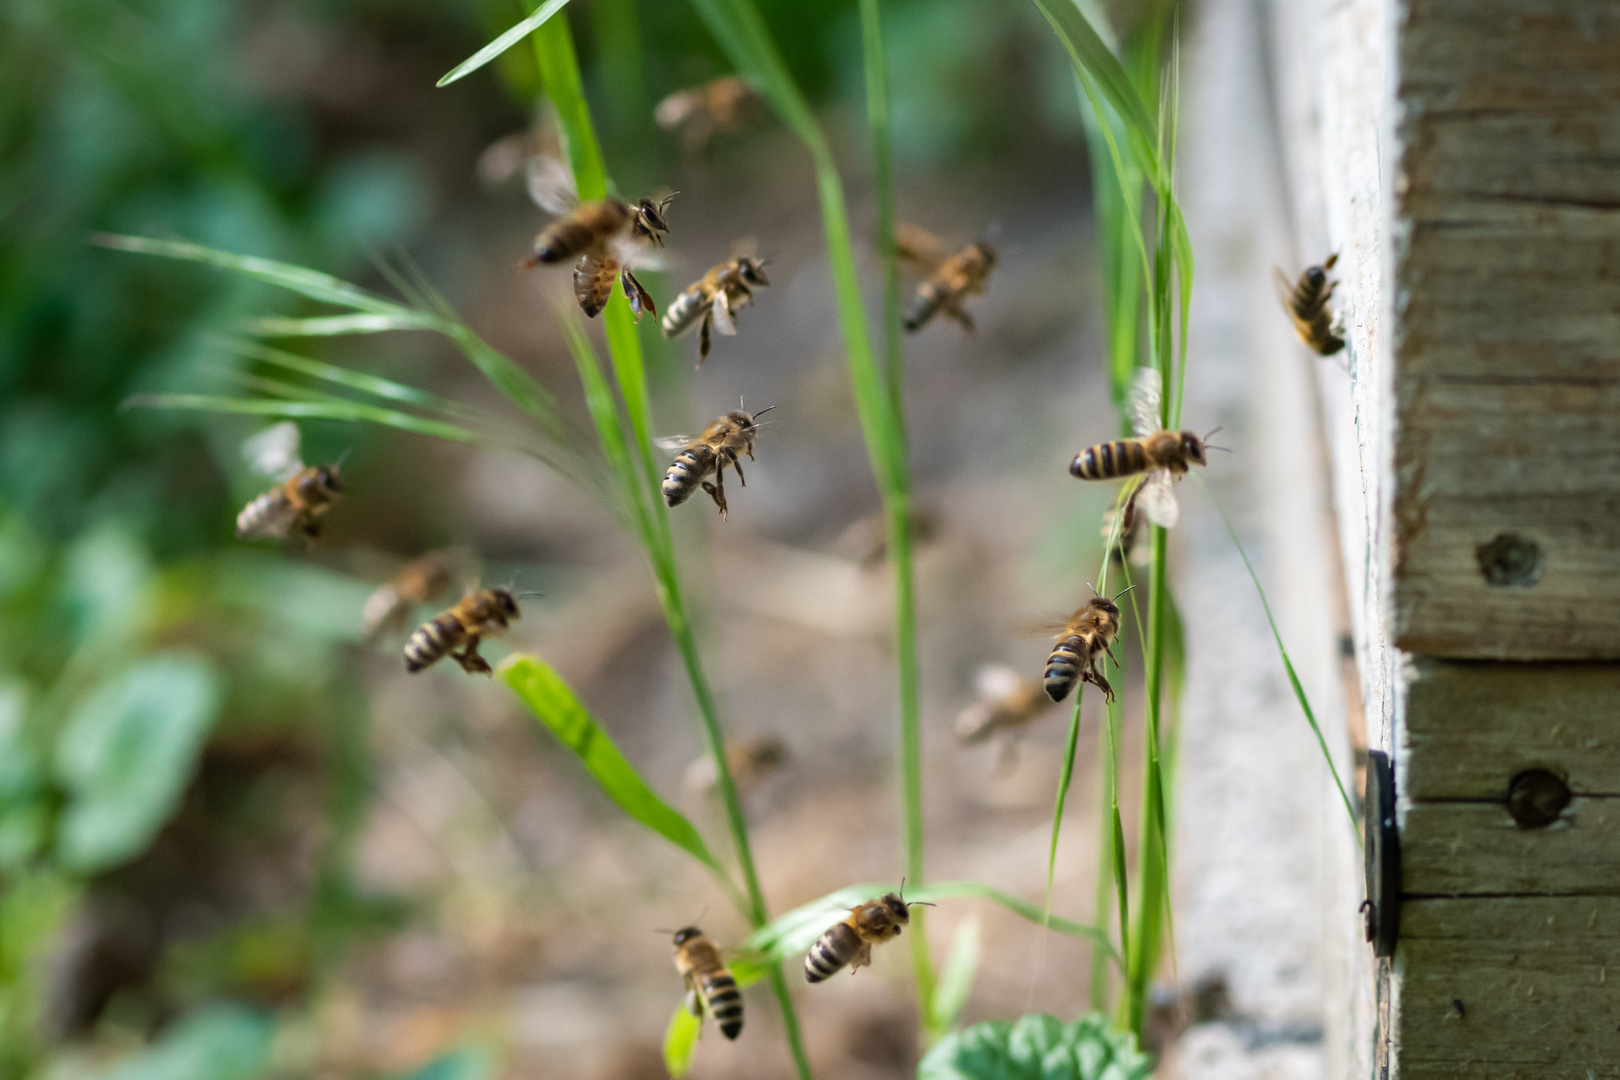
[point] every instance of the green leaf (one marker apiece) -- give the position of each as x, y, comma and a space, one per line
221, 1042
326, 409
504, 42
1037, 1047
127, 753
338, 325
555, 706
956, 977
680, 1039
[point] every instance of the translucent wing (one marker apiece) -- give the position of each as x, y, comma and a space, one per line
551, 185
919, 247
273, 452
745, 247
997, 682
673, 110
1157, 500
723, 321
674, 444
1147, 393
638, 254
1285, 289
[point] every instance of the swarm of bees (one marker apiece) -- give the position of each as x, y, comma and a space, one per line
721, 444
1306, 302
850, 942
302, 496
948, 279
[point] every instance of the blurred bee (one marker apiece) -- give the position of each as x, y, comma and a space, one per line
699, 111
949, 280
480, 614
850, 942
300, 500
1081, 645
1007, 703
709, 985
750, 761
714, 297
417, 583
721, 444
866, 540
1165, 455
610, 237
1306, 302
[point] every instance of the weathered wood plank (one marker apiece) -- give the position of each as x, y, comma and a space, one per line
1510, 987
1471, 848
1472, 727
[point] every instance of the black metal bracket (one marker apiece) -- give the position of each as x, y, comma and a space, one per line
1382, 844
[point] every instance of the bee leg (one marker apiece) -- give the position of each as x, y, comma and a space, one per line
957, 312
694, 1004
470, 661
717, 490
703, 337
735, 464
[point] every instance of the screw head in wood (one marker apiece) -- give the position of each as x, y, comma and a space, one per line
1536, 798
1510, 560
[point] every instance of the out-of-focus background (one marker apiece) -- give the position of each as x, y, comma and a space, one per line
232, 830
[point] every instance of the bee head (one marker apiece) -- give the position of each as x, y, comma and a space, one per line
897, 907
687, 934
650, 221
753, 270
327, 478
1193, 446
987, 254
1316, 276
1105, 605
506, 602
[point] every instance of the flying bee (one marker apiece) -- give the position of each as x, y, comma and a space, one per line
716, 296
610, 236
709, 985
850, 942
949, 280
303, 495
1007, 703
1306, 302
416, 583
1164, 455
866, 540
1081, 645
751, 762
721, 444
699, 111
482, 613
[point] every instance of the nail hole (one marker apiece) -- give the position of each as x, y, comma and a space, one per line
1536, 798
1510, 560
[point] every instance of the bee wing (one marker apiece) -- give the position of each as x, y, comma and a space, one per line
1284, 289
918, 247
593, 279
674, 444
723, 321
1157, 500
745, 247
639, 255
551, 185
673, 110
273, 452
997, 682
1147, 393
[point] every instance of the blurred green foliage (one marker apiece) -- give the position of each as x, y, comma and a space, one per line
1037, 1047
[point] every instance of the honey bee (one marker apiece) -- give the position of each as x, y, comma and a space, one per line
949, 280
480, 614
715, 296
610, 236
417, 583
300, 500
1164, 455
699, 111
1007, 703
709, 985
866, 540
750, 761
720, 445
1306, 302
850, 942
1082, 643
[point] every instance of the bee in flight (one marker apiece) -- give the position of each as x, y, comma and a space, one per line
1081, 645
713, 300
302, 496
709, 985
751, 762
1164, 455
1007, 704
850, 942
416, 583
482, 613
721, 444
1306, 302
949, 281
610, 237
699, 111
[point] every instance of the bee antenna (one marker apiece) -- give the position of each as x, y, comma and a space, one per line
1123, 591
1213, 431
763, 411
1093, 588
343, 457
920, 903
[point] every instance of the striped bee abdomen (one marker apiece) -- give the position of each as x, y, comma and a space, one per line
433, 640
1110, 460
686, 472
832, 950
1064, 665
725, 1001
265, 515
684, 311
923, 306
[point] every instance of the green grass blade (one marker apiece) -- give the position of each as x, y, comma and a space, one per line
504, 42
349, 412
877, 117
609, 426
957, 974
374, 385
1282, 651
336, 325
553, 703
680, 1039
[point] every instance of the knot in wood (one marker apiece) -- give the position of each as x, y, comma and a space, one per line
1510, 560
1536, 798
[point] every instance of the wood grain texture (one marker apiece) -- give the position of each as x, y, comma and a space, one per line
1472, 727
1509, 987
1507, 348
1472, 848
